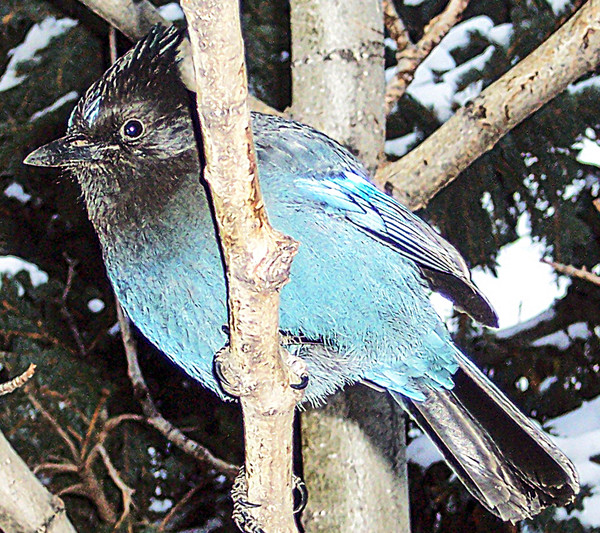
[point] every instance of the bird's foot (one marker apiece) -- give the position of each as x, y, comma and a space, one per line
224, 374
241, 515
297, 367
239, 494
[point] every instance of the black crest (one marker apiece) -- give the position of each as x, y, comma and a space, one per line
151, 65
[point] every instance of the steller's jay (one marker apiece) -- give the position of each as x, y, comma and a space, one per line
356, 307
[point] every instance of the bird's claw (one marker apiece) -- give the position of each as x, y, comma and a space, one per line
298, 368
300, 488
303, 383
239, 493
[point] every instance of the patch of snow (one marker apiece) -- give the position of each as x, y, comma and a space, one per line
10, 265
69, 97
547, 383
501, 34
15, 190
413, 3
114, 329
594, 82
423, 452
37, 38
563, 339
402, 145
160, 506
577, 434
95, 305
171, 12
524, 287
558, 6
589, 152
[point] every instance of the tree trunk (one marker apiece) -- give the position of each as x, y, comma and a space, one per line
353, 450
25, 504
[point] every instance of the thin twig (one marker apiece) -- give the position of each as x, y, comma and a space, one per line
395, 27
126, 490
68, 316
63, 434
19, 381
410, 56
153, 416
574, 272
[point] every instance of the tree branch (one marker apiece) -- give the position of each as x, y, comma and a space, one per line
409, 55
44, 513
569, 53
574, 272
19, 381
257, 260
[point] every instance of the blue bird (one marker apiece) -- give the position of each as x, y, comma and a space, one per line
356, 308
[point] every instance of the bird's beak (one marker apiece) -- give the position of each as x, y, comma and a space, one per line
66, 151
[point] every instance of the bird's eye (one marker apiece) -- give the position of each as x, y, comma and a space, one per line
132, 129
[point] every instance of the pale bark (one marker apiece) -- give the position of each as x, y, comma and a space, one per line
353, 449
25, 504
257, 260
569, 53
337, 71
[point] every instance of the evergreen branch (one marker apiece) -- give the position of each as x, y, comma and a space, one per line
570, 52
19, 381
409, 55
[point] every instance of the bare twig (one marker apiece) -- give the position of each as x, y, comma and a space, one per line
410, 56
57, 427
151, 413
395, 27
68, 316
19, 381
574, 272
126, 490
257, 260
569, 53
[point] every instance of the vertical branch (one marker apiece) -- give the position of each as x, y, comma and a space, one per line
257, 261
353, 450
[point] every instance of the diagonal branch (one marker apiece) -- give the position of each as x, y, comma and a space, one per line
19, 381
574, 272
570, 52
409, 55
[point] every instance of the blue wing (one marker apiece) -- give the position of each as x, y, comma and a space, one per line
350, 194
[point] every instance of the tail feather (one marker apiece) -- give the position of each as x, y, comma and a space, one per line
504, 460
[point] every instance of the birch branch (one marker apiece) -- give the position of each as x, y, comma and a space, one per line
569, 53
409, 55
257, 260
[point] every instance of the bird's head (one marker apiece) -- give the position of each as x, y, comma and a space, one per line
131, 134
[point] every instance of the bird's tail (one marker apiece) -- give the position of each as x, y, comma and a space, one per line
504, 460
